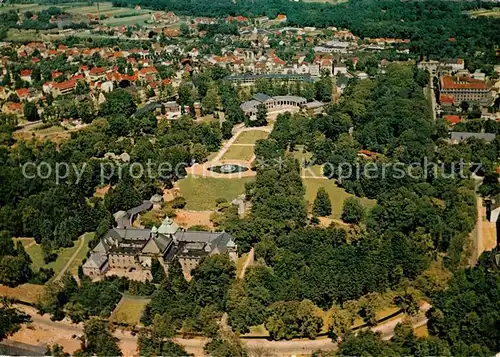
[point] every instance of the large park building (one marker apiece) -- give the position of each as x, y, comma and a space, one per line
129, 251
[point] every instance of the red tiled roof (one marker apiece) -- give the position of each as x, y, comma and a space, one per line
97, 70
22, 92
71, 83
446, 99
452, 119
14, 106
147, 70
367, 153
26, 72
448, 82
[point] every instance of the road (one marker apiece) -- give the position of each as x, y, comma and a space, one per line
73, 257
63, 332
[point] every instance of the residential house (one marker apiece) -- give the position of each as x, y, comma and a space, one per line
13, 108
26, 75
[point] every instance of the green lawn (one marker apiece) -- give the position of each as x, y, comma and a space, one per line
236, 152
25, 241
201, 193
250, 137
309, 171
495, 12
133, 20
63, 256
73, 268
337, 194
76, 7
129, 310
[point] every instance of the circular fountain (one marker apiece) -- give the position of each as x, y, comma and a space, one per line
228, 169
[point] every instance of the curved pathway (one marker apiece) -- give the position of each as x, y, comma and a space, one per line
64, 330
73, 257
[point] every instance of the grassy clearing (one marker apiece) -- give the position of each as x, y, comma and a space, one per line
250, 137
133, 20
82, 254
337, 194
27, 292
259, 330
25, 241
421, 331
309, 171
201, 193
63, 256
129, 310
240, 263
495, 12
76, 7
238, 153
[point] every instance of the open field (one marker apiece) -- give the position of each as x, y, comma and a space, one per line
27, 292
131, 20
26, 242
129, 310
337, 194
310, 171
236, 152
63, 256
250, 137
201, 192
495, 12
82, 8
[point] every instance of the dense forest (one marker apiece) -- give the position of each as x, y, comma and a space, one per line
428, 24
55, 213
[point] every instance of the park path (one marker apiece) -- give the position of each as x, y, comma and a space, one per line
73, 257
248, 261
44, 331
231, 141
484, 234
30, 245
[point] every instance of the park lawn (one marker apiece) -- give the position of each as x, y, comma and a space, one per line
421, 331
129, 310
236, 152
495, 12
258, 330
85, 8
63, 256
131, 20
82, 254
24, 241
251, 137
201, 192
337, 194
240, 263
309, 171
28, 293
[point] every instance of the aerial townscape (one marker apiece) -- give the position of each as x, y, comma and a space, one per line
250, 178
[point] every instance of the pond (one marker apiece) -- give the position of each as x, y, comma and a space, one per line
228, 169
